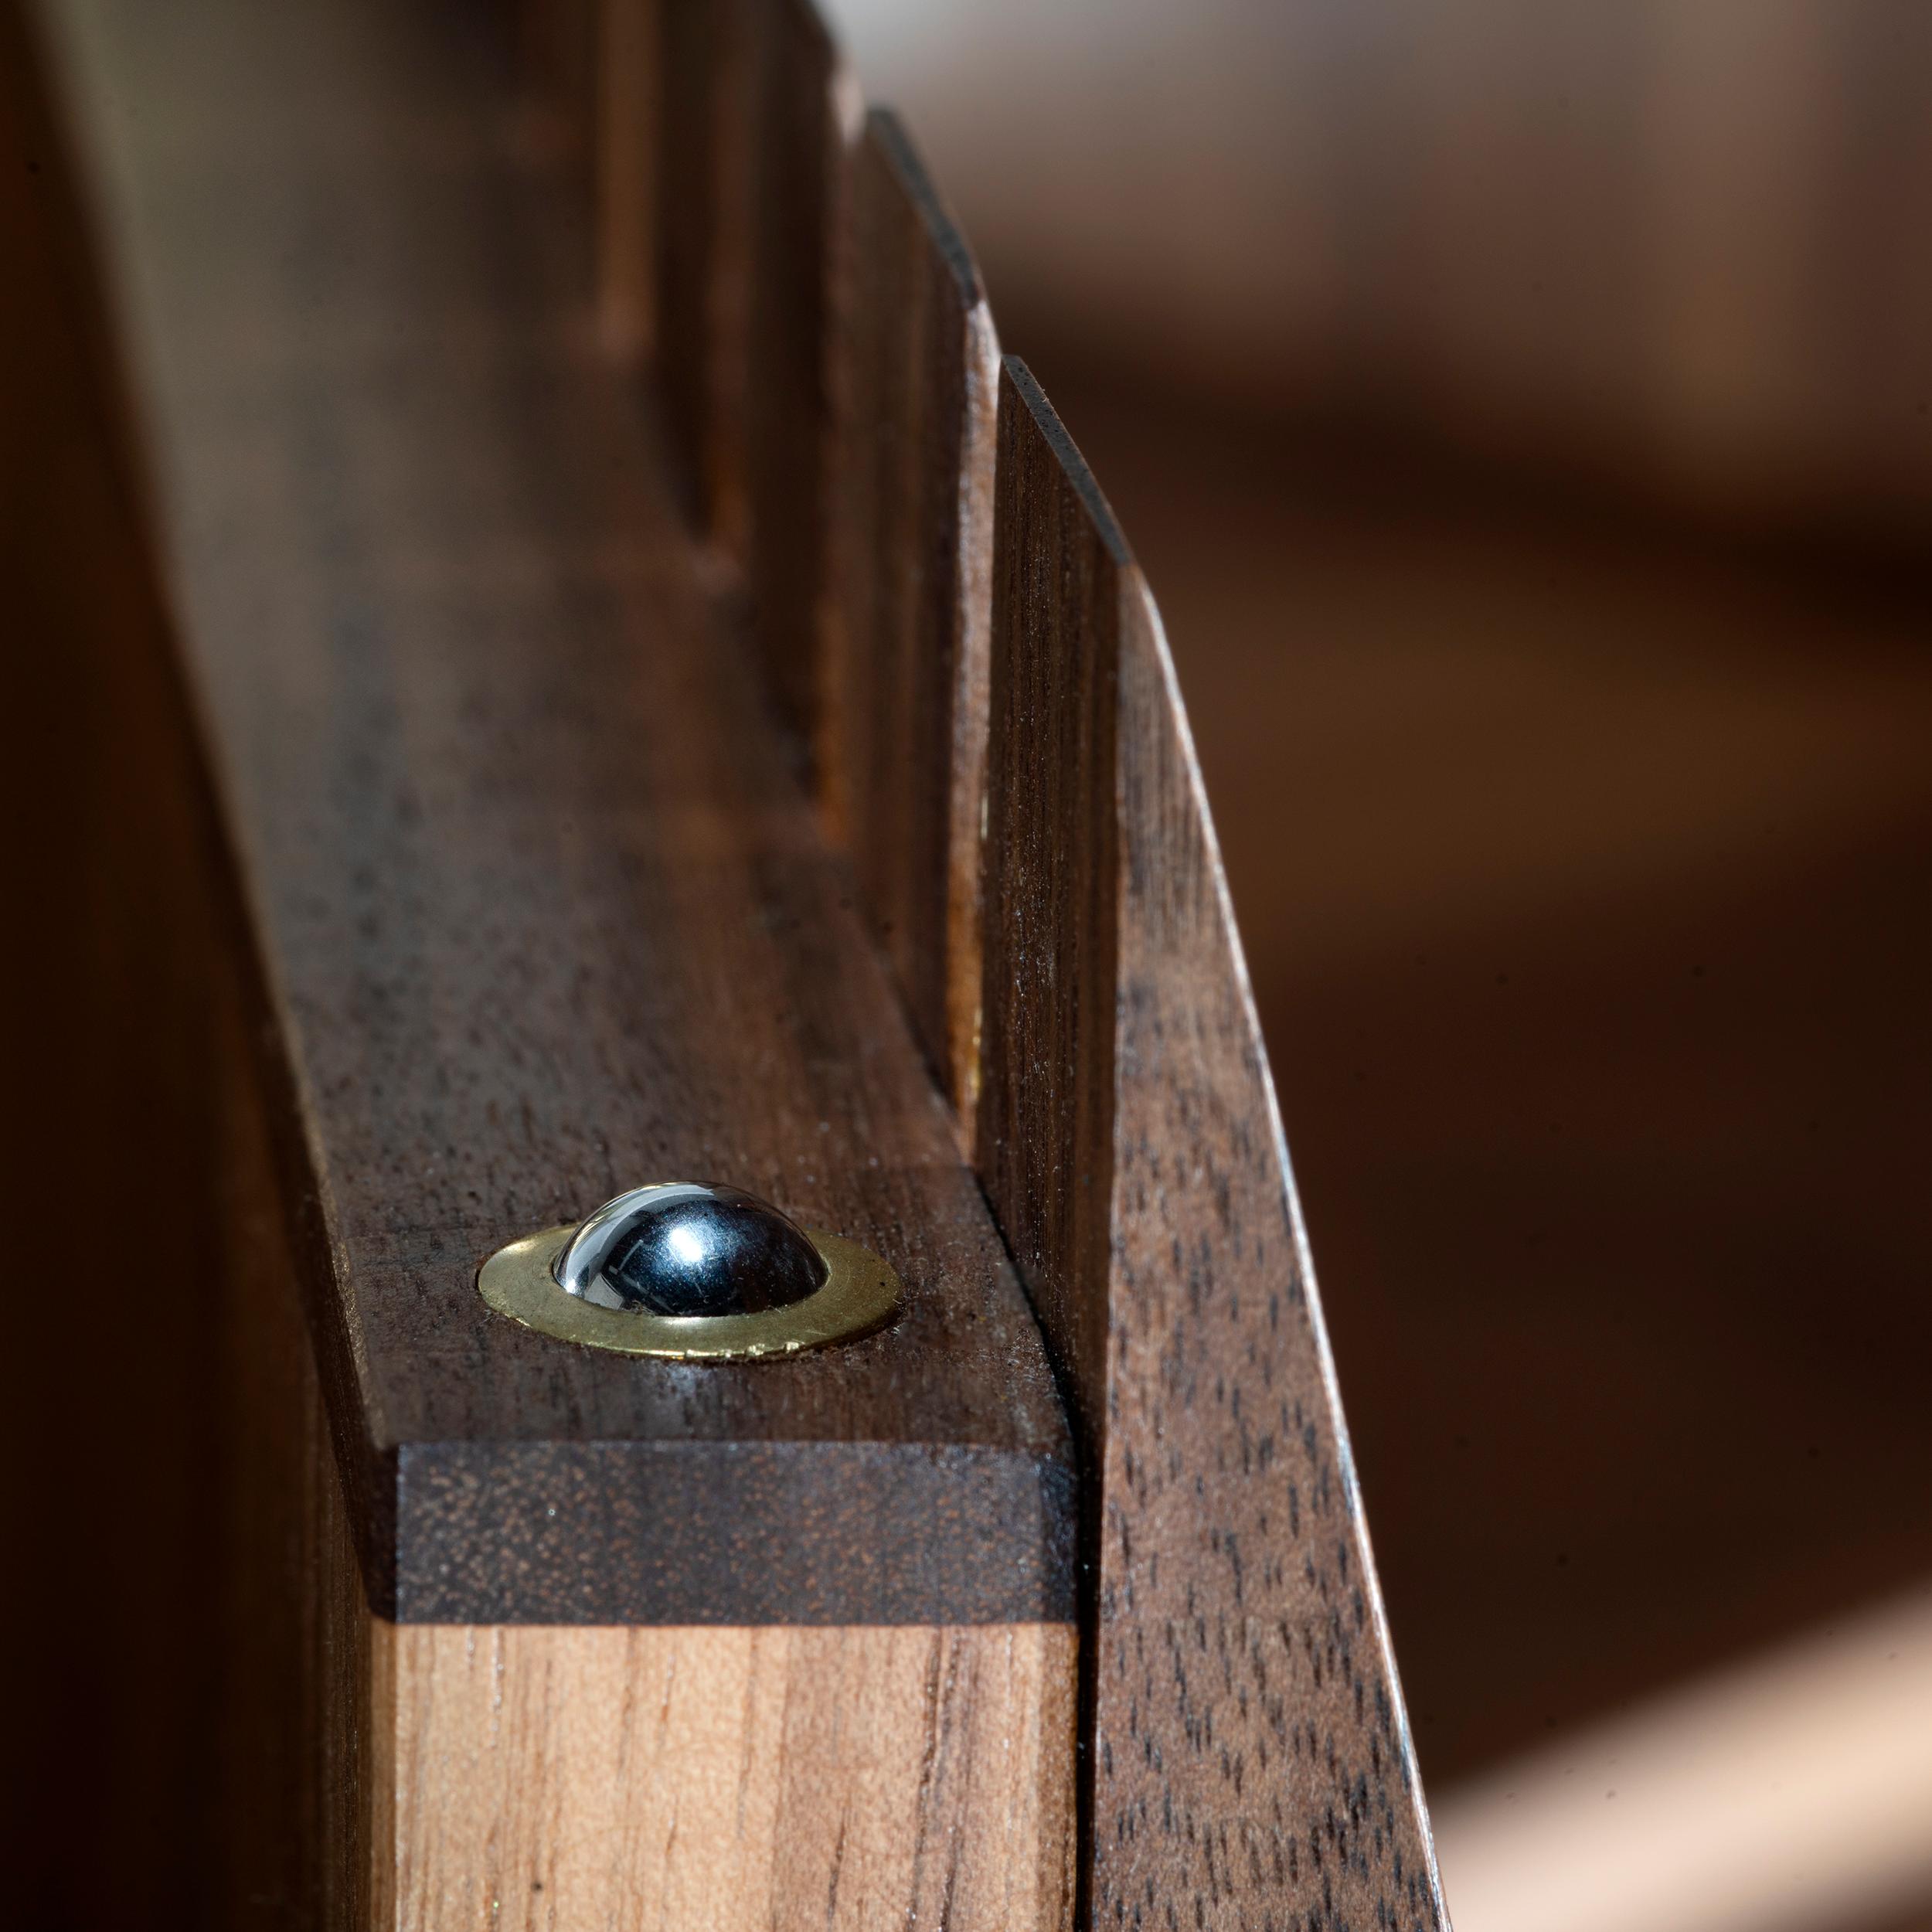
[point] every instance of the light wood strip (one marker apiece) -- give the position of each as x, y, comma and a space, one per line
718, 1779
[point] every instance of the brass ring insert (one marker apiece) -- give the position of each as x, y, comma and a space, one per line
859, 1293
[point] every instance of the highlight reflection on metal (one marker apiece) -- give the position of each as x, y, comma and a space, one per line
680, 1248
681, 1270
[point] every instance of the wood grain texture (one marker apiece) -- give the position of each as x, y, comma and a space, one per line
1250, 1763
904, 736
425, 1775
730, 1781
542, 911
304, 1804
804, 124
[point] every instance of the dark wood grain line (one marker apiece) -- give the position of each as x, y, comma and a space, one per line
1249, 1760
541, 908
904, 740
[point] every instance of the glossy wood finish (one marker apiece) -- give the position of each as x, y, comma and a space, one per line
543, 911
903, 770
1250, 1757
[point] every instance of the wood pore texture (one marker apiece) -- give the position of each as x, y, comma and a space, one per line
904, 772
715, 1780
431, 1776
1250, 1763
544, 912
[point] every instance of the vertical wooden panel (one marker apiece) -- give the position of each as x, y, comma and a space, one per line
1250, 1763
904, 741
702, 199
306, 1725
805, 121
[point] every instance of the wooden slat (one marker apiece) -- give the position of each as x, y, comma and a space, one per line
303, 1816
904, 742
804, 122
544, 911
1250, 1761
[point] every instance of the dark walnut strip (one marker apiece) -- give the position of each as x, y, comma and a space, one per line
541, 910
903, 745
1250, 1763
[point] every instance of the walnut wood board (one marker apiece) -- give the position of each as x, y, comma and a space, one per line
1249, 1760
541, 911
903, 769
697, 1779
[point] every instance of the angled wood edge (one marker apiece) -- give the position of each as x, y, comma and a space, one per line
902, 745
1249, 1758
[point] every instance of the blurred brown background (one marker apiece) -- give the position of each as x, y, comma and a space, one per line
1522, 411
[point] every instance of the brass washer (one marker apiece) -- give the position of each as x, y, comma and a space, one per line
860, 1293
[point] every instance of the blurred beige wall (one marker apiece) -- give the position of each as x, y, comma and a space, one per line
1684, 240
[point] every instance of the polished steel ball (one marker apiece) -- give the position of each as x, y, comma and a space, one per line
682, 1248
